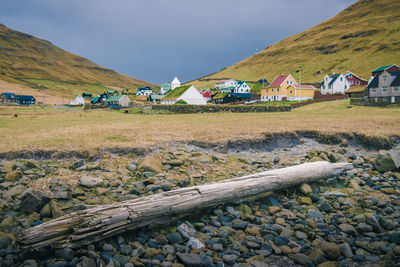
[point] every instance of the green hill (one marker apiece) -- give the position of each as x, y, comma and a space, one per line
360, 38
39, 64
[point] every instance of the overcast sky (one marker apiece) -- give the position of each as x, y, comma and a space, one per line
155, 39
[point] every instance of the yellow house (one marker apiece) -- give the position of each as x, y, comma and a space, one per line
300, 92
277, 90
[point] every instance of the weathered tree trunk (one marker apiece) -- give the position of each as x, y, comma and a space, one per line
97, 223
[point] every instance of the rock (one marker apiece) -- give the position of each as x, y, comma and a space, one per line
218, 247
86, 262
33, 201
371, 220
328, 264
29, 263
305, 201
55, 209
394, 238
317, 256
45, 211
239, 225
348, 229
194, 243
190, 259
165, 186
363, 227
77, 164
229, 258
346, 250
301, 259
150, 164
131, 167
281, 241
4, 242
174, 238
301, 235
89, 181
13, 175
334, 193
7, 222
388, 190
186, 231
305, 189
387, 160
173, 162
14, 191
331, 250
385, 223
64, 253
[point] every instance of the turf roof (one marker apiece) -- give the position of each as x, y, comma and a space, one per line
177, 92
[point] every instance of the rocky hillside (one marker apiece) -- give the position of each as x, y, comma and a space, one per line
360, 38
24, 56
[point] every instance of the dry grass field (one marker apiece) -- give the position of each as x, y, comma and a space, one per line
75, 129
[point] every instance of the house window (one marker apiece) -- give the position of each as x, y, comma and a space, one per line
384, 89
395, 89
351, 82
291, 82
373, 90
393, 99
341, 79
376, 100
384, 99
384, 78
357, 82
266, 90
290, 91
287, 82
272, 90
277, 89
350, 76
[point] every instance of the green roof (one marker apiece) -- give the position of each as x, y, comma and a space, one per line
220, 95
156, 97
94, 99
114, 98
382, 68
177, 92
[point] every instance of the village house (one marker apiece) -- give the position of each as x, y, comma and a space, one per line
188, 94
78, 101
355, 80
206, 93
26, 100
155, 98
8, 98
224, 98
296, 92
87, 95
242, 90
147, 90
384, 88
226, 85
118, 101
276, 91
175, 83
335, 84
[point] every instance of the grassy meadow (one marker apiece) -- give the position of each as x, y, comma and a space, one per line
75, 129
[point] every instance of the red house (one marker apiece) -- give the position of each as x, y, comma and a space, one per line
206, 93
355, 80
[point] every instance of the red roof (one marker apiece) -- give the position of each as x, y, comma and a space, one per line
278, 81
303, 86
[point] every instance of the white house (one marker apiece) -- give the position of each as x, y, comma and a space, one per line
78, 101
144, 91
165, 88
242, 88
226, 85
189, 94
175, 83
335, 84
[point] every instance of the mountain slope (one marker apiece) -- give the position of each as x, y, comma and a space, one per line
360, 38
23, 56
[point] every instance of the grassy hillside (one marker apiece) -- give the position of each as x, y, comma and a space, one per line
23, 57
358, 39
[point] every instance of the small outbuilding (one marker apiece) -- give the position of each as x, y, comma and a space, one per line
224, 98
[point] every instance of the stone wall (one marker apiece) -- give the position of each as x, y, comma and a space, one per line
219, 108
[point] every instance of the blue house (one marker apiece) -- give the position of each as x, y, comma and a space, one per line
26, 100
8, 98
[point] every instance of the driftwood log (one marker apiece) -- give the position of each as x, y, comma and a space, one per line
87, 226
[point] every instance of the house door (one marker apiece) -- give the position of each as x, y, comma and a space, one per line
274, 97
393, 99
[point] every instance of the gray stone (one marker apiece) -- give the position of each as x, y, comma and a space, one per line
64, 253
348, 229
186, 231
301, 235
14, 191
174, 238
305, 189
345, 249
363, 227
331, 250
89, 181
32, 201
4, 242
190, 259
387, 160
301, 259
131, 167
194, 243
29, 263
229, 258
77, 164
87, 262
371, 220
218, 247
